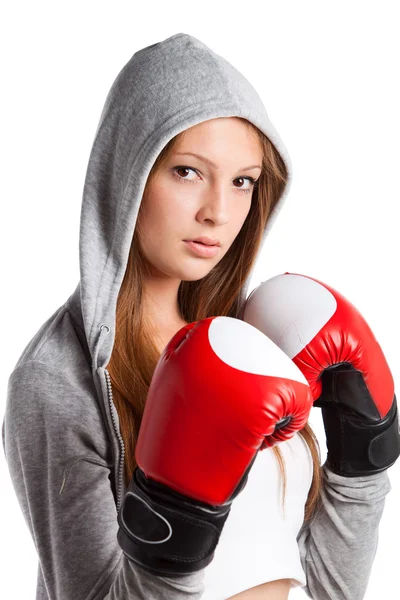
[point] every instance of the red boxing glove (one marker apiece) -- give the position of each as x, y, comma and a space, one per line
220, 392
331, 343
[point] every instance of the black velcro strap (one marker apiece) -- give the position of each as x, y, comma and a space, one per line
165, 532
358, 447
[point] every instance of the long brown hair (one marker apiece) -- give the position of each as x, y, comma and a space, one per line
135, 353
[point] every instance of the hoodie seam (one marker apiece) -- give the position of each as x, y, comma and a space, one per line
74, 461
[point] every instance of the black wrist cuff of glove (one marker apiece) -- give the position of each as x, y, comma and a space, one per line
357, 447
165, 532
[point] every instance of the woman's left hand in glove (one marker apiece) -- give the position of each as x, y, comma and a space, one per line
334, 347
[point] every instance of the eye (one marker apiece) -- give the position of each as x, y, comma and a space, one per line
252, 182
182, 168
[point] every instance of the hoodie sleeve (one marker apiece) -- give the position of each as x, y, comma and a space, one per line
338, 546
55, 447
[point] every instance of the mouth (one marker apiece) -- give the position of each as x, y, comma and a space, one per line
201, 249
202, 243
205, 242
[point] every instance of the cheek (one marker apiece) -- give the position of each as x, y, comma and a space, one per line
236, 224
240, 217
161, 216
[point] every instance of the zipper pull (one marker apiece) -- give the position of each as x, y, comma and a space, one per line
104, 330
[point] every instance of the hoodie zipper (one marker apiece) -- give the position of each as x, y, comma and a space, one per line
121, 441
120, 479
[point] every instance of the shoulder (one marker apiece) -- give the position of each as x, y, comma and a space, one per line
46, 404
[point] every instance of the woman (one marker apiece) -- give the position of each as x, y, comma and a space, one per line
77, 394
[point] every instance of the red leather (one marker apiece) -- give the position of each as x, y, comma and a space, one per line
347, 337
204, 420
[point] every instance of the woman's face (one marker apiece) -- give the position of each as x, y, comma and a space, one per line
189, 197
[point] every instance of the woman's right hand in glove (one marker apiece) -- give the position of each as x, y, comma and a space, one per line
221, 390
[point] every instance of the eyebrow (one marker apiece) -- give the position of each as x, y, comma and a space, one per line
212, 164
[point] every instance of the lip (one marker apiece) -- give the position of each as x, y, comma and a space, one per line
201, 249
204, 239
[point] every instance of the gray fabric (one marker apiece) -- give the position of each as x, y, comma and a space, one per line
338, 547
60, 431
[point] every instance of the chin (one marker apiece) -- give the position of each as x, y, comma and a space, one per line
193, 273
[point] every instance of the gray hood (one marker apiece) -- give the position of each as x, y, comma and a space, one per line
162, 90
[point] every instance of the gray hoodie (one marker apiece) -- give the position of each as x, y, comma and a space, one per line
61, 433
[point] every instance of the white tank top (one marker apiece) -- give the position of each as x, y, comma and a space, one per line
258, 542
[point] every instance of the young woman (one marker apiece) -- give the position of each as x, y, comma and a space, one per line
184, 148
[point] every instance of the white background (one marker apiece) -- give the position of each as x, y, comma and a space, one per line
328, 74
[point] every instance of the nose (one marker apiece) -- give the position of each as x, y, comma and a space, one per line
214, 205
